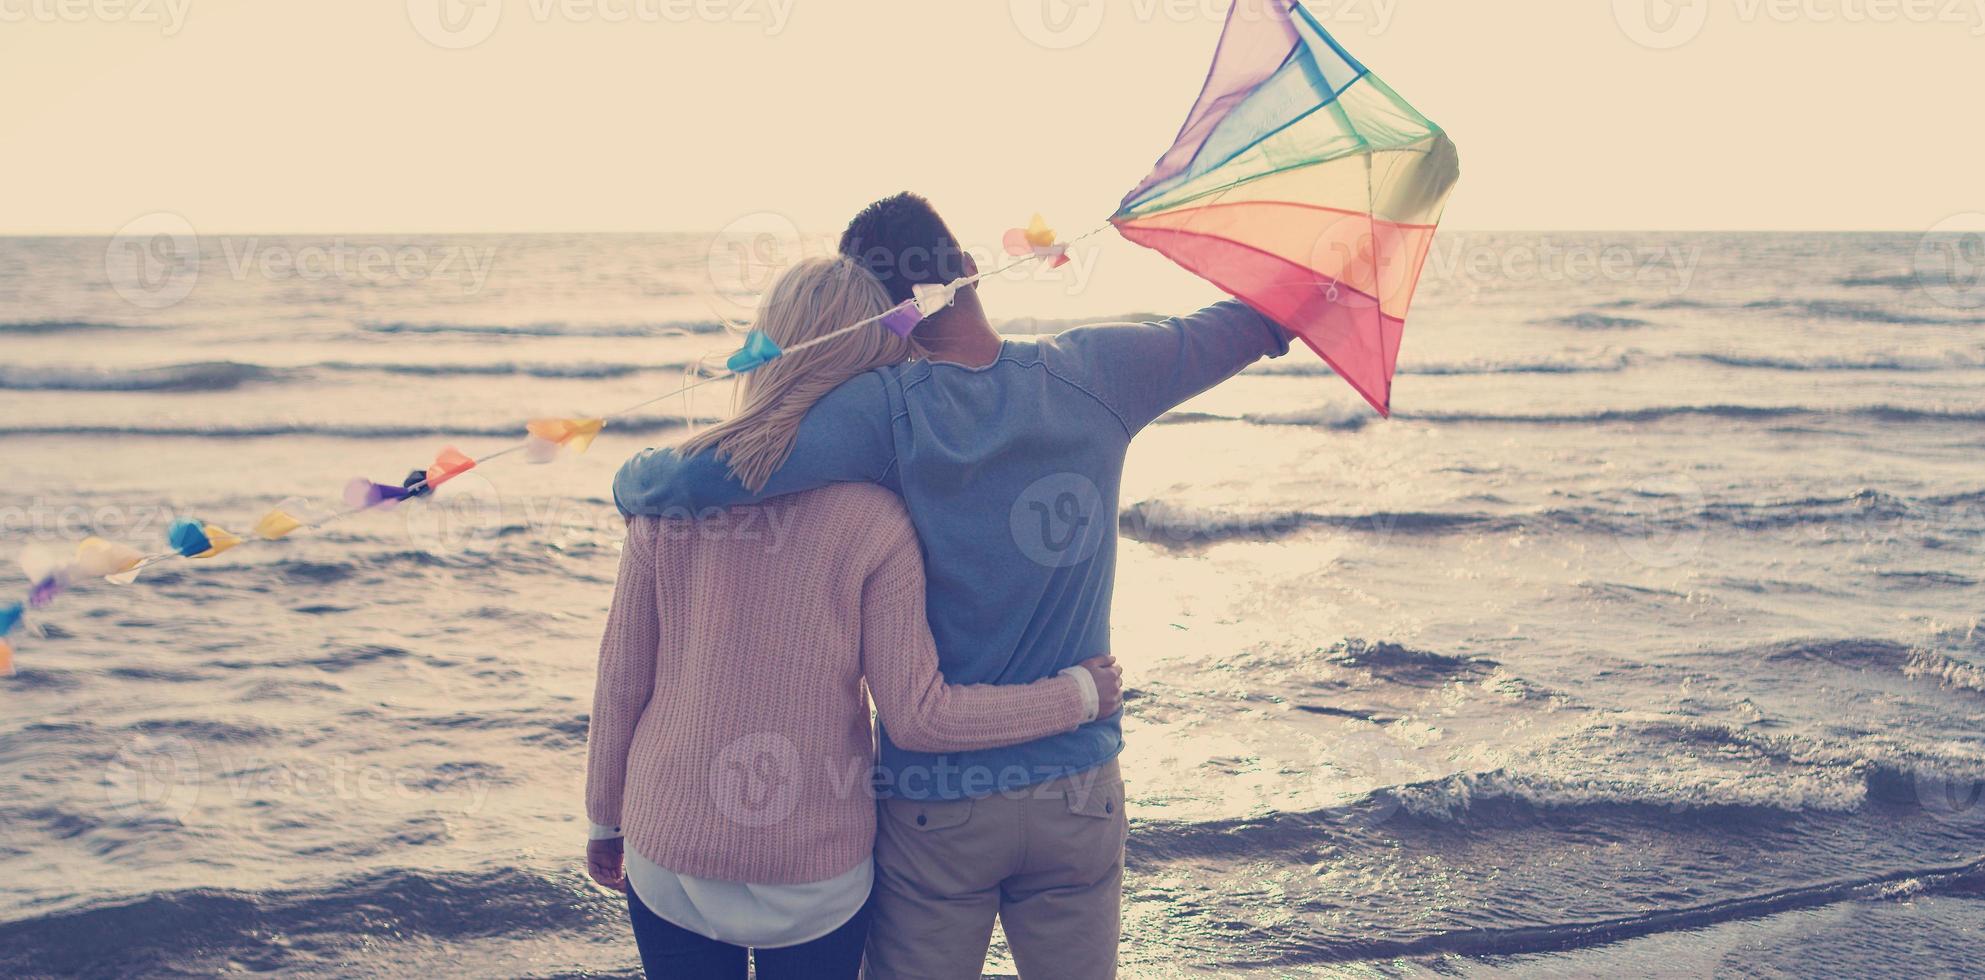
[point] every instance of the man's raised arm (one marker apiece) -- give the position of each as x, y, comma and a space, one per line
845, 438
1143, 370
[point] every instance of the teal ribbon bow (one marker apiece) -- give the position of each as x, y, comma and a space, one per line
757, 350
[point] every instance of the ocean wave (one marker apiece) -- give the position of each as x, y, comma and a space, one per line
1593, 321
1520, 844
1661, 766
323, 929
1572, 932
1879, 282
580, 371
1670, 303
1464, 795
195, 377
1602, 364
670, 329
29, 328
1344, 416
1914, 661
1818, 309
635, 425
1166, 522
1928, 579
1946, 671
207, 376
1952, 360
1162, 522
1823, 309
1399, 664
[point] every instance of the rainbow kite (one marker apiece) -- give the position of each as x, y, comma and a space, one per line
1305, 187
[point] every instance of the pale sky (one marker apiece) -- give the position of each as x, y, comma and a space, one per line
663, 115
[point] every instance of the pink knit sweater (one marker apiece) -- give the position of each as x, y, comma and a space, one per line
731, 731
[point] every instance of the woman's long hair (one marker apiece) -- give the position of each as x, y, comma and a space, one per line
813, 298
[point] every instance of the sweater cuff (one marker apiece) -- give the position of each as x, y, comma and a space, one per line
1090, 699
601, 831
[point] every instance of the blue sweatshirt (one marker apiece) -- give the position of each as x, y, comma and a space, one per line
1010, 473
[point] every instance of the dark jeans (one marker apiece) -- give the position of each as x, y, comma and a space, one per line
669, 951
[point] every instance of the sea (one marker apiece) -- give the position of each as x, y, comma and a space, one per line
1643, 639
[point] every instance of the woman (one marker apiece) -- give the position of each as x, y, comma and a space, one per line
731, 735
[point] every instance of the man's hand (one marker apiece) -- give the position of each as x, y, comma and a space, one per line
1109, 683
606, 862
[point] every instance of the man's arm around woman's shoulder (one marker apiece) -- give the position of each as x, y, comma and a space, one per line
845, 438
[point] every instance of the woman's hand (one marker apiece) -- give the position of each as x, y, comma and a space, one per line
606, 861
1109, 683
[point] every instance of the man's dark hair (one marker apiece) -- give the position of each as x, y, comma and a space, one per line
902, 241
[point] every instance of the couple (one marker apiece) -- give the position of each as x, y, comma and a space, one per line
931, 523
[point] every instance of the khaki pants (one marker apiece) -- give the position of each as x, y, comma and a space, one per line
1047, 860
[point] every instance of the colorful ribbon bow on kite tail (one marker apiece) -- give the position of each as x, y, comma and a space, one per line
10, 619
1038, 240
1303, 186
50, 572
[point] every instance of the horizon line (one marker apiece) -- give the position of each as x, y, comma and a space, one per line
16, 235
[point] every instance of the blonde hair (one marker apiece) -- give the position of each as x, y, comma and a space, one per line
812, 299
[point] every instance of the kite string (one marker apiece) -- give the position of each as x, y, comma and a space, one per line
721, 375
954, 285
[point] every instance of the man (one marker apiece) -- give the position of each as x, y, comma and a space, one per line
1008, 455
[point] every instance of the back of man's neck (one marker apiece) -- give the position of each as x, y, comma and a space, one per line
970, 343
